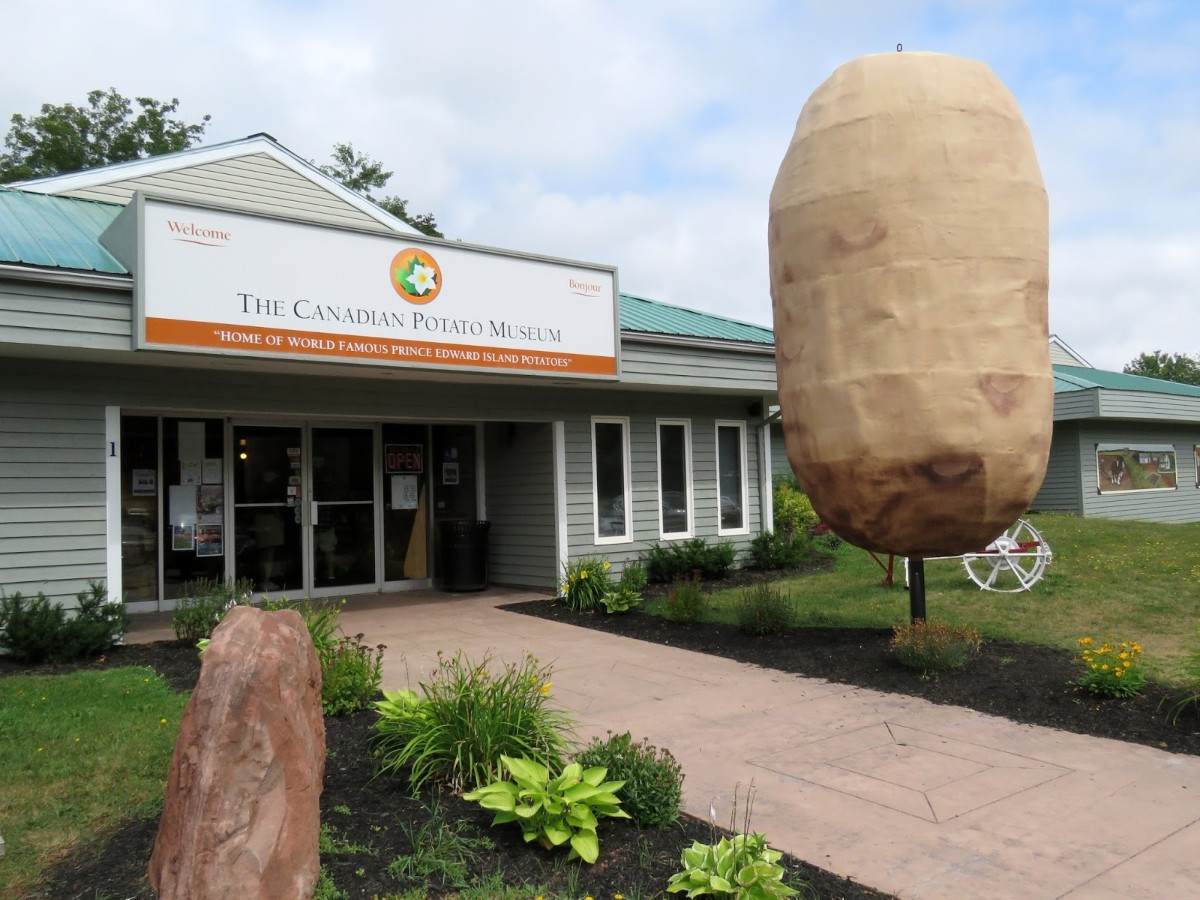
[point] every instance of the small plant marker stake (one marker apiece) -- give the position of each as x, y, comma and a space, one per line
916, 589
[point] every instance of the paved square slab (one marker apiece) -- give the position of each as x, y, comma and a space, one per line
918, 773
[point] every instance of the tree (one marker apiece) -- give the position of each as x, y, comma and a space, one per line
1178, 367
68, 138
362, 175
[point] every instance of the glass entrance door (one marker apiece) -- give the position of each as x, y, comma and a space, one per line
343, 507
268, 540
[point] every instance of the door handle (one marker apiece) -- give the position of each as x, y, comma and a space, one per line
314, 514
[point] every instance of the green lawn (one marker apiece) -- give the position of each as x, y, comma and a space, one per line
1127, 580
78, 754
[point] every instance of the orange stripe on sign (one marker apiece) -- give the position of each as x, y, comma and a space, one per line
258, 341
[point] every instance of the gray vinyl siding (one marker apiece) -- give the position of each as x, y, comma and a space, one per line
54, 411
780, 467
254, 182
1082, 404
1179, 505
519, 462
1061, 491
53, 315
708, 368
1147, 406
52, 502
1060, 356
643, 412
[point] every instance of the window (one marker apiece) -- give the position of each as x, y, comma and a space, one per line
674, 477
610, 475
731, 477
1139, 467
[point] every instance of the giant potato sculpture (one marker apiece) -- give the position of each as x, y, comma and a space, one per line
909, 269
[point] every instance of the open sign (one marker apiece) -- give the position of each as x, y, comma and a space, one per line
403, 459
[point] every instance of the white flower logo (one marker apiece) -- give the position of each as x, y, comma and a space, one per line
422, 279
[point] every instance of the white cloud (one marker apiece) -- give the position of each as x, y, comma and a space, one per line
648, 134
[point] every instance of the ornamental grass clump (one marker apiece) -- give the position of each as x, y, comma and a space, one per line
930, 646
585, 582
454, 730
653, 791
686, 601
1111, 669
765, 609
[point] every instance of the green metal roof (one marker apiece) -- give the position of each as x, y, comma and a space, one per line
58, 232
652, 317
1080, 378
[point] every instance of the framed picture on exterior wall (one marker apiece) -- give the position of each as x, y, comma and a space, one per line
1139, 467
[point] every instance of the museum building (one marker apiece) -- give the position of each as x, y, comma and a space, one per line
221, 363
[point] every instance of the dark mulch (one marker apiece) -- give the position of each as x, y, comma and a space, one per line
1023, 682
381, 815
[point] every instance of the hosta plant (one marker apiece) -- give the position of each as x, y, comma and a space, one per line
553, 811
742, 866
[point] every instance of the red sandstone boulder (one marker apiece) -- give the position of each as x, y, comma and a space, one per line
242, 815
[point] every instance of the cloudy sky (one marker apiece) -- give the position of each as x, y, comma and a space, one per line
647, 134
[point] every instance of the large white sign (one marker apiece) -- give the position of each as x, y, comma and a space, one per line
219, 281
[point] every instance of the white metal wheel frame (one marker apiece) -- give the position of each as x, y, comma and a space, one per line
1013, 562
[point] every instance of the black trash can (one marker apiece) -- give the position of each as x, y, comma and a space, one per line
464, 555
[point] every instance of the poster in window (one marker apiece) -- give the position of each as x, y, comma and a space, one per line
209, 540
183, 537
405, 494
449, 473
145, 482
182, 508
1120, 469
210, 504
190, 472
211, 471
191, 441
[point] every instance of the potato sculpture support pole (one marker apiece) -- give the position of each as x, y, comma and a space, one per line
916, 589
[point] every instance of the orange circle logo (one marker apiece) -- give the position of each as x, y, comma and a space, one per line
416, 276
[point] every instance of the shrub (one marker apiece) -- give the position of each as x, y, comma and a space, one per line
351, 673
685, 601
204, 604
794, 513
456, 729
553, 811
670, 562
774, 550
930, 646
765, 609
1111, 670
585, 583
39, 630
653, 791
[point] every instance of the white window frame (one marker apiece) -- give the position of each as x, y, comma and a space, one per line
744, 528
687, 478
627, 537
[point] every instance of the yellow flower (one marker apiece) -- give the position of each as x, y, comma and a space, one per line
1123, 655
1118, 672
1104, 667
1127, 664
583, 574
1084, 641
546, 688
607, 565
162, 721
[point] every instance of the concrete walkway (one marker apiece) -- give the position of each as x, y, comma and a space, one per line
916, 799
